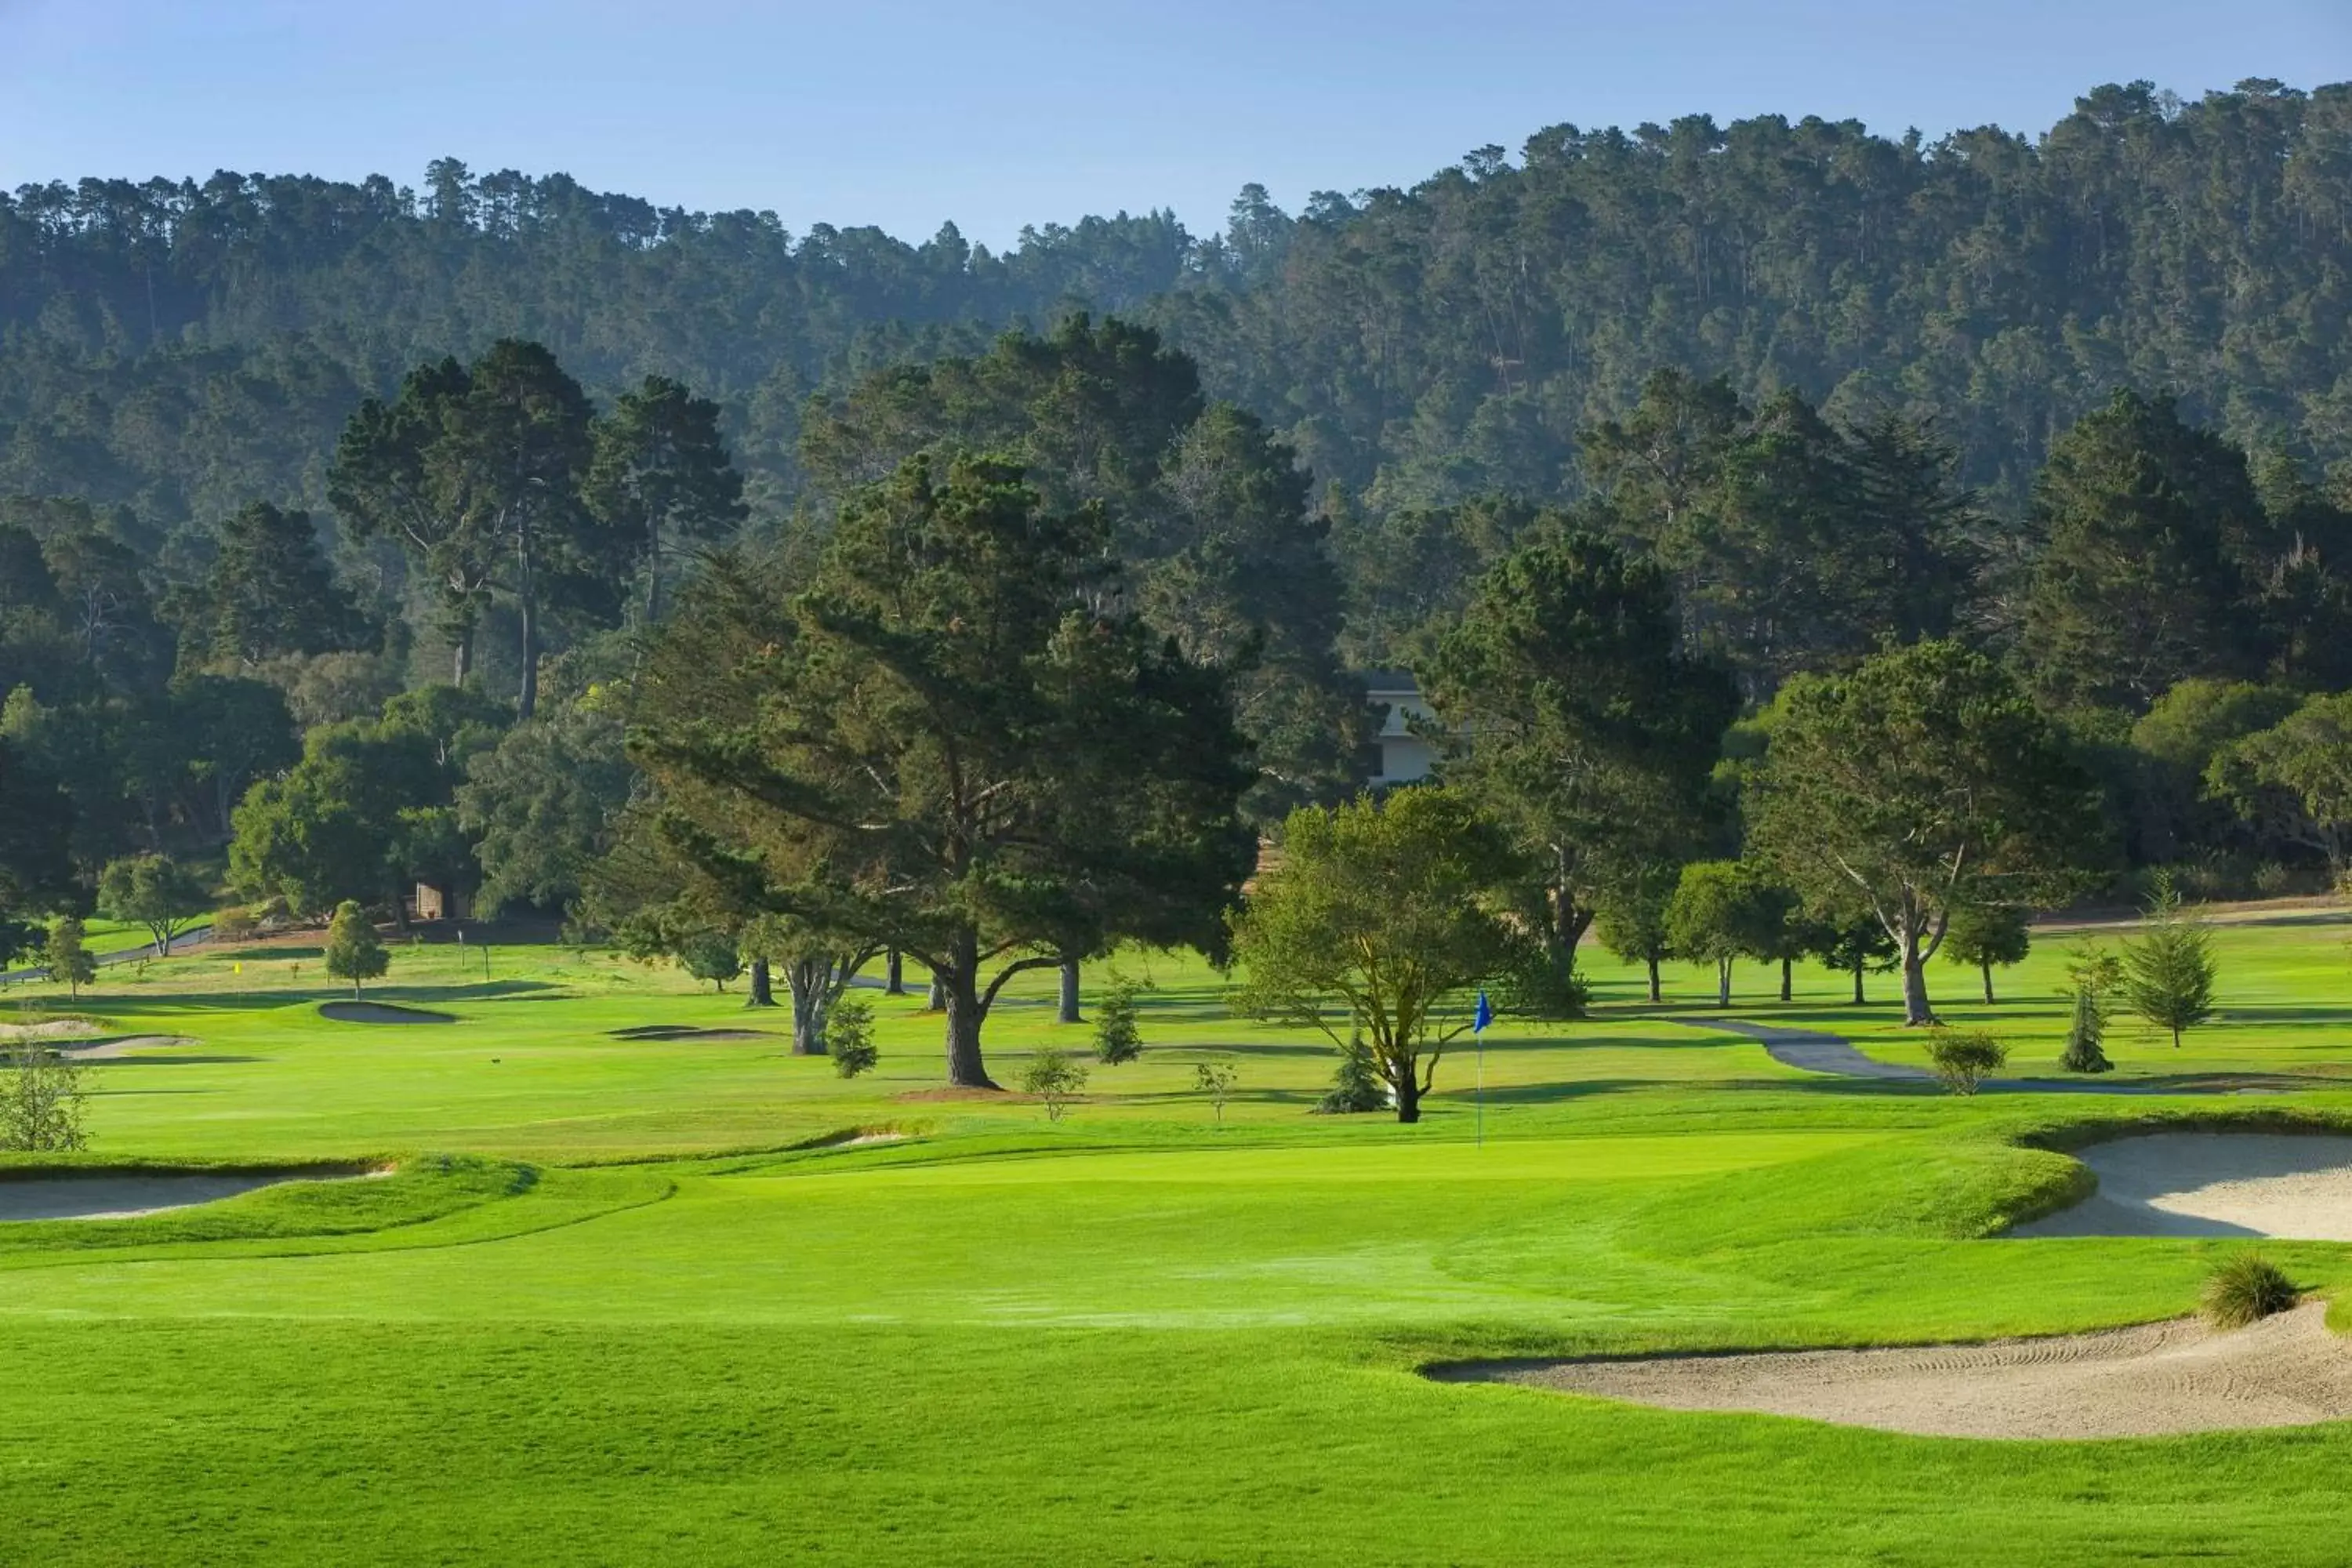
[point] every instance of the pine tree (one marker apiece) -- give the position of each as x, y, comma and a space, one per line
2169, 973
1118, 1037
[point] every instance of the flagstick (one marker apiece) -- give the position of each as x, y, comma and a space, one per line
1481, 1036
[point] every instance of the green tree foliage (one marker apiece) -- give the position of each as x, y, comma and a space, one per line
36, 873
2149, 540
370, 807
1849, 939
1356, 1086
1722, 910
1572, 716
155, 891
1794, 542
1982, 937
2174, 800
661, 476
2086, 1033
2293, 780
542, 802
1209, 510
1923, 783
478, 471
68, 960
954, 744
2169, 970
354, 952
269, 593
41, 1101
710, 955
1630, 918
1118, 1037
849, 1038
1392, 910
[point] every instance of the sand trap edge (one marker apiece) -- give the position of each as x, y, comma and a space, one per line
2170, 1378
382, 1012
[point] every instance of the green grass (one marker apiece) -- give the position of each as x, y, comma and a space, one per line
633, 1301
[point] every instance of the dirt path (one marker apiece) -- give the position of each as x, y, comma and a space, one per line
1816, 1050
2161, 1378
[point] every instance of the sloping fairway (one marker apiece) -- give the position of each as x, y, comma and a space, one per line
657, 1308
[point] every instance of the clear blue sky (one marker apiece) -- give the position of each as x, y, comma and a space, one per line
904, 112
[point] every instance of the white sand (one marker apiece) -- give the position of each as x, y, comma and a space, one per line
2296, 1186
128, 1197
2286, 1370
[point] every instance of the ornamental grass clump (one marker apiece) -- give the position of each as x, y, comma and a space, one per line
2246, 1290
1962, 1058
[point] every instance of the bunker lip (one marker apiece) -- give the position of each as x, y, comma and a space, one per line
135, 1193
2154, 1380
382, 1012
2290, 1185
690, 1032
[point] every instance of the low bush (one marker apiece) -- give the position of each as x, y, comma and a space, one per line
235, 925
2246, 1290
1963, 1057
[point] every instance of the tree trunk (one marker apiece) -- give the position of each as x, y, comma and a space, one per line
1408, 1095
1916, 1008
461, 658
966, 1068
761, 992
807, 988
894, 978
1858, 997
936, 999
527, 613
1069, 1008
1988, 977
1723, 983
1787, 965
1654, 995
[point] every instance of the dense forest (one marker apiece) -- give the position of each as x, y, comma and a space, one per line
182, 348
341, 526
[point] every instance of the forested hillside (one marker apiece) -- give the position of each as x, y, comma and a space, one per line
185, 348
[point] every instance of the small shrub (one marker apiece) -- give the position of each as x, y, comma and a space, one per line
2245, 1289
1117, 1035
40, 1102
849, 1036
235, 925
1055, 1077
2273, 881
1216, 1080
2086, 1031
66, 958
1962, 1056
1354, 1088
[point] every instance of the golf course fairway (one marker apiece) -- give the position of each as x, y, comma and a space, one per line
697, 1300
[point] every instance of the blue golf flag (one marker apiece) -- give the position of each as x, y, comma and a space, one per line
1485, 1014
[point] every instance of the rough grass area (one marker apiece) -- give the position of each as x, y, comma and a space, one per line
652, 1301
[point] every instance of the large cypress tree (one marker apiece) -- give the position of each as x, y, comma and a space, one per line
952, 744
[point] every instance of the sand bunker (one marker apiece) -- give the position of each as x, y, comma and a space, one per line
2161, 1378
381, 1013
2296, 1186
111, 1047
690, 1032
128, 1197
